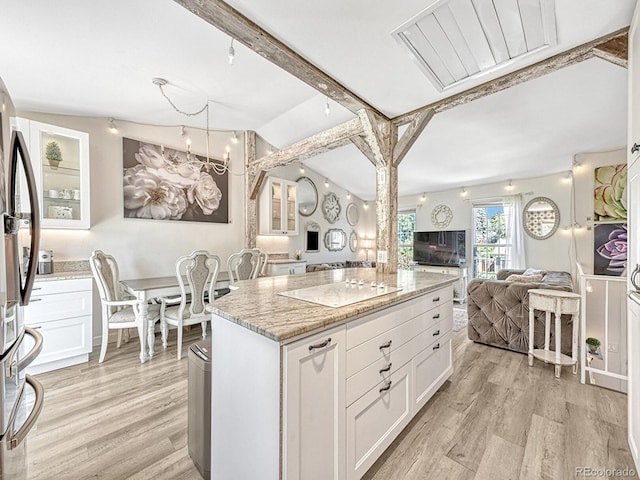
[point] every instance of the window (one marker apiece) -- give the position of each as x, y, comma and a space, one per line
491, 239
406, 227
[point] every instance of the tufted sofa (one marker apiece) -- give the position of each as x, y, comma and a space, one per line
315, 267
499, 312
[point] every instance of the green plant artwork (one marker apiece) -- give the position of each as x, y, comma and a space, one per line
610, 193
53, 152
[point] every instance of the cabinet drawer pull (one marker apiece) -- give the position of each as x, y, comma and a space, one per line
437, 299
35, 300
320, 345
436, 316
386, 369
437, 346
36, 288
385, 345
37, 328
436, 333
386, 387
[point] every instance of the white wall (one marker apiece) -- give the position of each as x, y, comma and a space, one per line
365, 228
549, 254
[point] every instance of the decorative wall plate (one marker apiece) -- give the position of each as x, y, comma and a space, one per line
331, 207
352, 214
441, 216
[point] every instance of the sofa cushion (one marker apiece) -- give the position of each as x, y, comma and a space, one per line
524, 278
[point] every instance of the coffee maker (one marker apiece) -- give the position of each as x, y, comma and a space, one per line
45, 262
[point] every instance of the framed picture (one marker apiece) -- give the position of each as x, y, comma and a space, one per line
610, 253
167, 184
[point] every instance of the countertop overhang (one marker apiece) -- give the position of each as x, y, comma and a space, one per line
256, 305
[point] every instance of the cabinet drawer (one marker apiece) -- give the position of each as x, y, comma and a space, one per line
429, 367
436, 315
435, 333
44, 308
63, 339
61, 286
379, 371
381, 347
374, 420
365, 329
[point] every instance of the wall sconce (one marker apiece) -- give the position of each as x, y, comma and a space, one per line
365, 205
423, 198
234, 138
464, 192
348, 195
326, 183
567, 178
301, 168
112, 126
576, 165
509, 186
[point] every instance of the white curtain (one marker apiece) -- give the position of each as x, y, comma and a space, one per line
515, 232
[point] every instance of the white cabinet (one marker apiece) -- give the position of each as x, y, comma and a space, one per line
290, 268
278, 207
63, 185
315, 407
61, 310
460, 289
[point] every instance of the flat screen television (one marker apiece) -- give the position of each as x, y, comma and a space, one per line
445, 247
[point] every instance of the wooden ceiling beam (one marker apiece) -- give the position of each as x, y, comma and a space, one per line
615, 51
228, 20
364, 147
411, 134
551, 64
322, 142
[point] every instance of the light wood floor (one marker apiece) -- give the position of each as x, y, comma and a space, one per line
495, 419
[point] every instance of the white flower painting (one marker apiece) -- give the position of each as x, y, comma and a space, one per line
167, 184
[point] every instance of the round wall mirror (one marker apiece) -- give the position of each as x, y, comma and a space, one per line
541, 218
353, 241
307, 196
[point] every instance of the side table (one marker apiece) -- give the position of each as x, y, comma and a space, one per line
558, 302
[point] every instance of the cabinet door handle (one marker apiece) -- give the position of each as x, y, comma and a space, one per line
36, 288
320, 345
436, 316
386, 369
436, 333
437, 299
385, 345
386, 387
635, 148
35, 300
436, 347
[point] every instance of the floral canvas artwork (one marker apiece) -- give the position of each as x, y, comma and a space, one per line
166, 184
610, 193
610, 249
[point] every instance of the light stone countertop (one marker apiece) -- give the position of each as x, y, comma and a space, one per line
63, 276
257, 306
278, 261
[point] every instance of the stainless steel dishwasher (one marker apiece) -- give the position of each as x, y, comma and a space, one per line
199, 407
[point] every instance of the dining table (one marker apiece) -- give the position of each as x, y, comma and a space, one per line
146, 289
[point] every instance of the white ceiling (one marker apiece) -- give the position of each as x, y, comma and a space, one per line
98, 58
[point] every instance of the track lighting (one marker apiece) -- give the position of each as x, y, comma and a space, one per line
423, 198
234, 138
269, 150
326, 183
509, 186
348, 194
301, 168
4, 101
327, 108
576, 165
567, 177
112, 125
232, 53
365, 205
464, 192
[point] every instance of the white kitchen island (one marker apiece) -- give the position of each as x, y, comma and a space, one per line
307, 391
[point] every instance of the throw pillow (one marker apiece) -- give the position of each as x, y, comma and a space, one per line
533, 271
524, 278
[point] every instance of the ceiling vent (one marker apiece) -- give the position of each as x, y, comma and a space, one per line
457, 40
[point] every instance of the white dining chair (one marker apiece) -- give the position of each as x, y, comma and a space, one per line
244, 265
264, 259
118, 310
200, 269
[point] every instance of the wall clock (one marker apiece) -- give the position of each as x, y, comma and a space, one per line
331, 207
441, 216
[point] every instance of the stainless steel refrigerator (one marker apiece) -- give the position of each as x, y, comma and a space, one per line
21, 395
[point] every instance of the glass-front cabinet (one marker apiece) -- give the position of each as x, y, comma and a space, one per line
60, 158
278, 208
